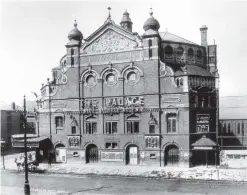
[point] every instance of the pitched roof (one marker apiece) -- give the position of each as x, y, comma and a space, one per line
204, 141
233, 107
194, 70
167, 36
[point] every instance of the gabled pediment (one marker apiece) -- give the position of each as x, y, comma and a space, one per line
111, 38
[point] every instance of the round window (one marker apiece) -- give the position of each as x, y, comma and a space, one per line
132, 76
110, 78
90, 80
180, 52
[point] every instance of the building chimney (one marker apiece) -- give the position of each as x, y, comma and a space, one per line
13, 105
204, 36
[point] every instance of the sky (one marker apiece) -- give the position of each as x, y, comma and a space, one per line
33, 36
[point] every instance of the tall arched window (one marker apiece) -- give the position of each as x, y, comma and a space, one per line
168, 51
190, 53
180, 52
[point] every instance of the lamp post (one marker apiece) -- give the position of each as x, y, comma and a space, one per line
2, 150
49, 96
26, 185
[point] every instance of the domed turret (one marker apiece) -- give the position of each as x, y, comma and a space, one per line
151, 23
126, 22
75, 33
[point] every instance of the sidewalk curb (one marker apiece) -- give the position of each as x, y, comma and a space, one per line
130, 176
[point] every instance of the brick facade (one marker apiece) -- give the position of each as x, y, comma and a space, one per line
122, 78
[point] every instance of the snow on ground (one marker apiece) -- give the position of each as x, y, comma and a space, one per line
20, 191
199, 172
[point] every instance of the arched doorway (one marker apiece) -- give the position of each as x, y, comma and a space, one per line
92, 153
60, 153
132, 157
171, 156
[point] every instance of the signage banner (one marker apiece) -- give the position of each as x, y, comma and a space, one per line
112, 156
203, 148
202, 122
21, 145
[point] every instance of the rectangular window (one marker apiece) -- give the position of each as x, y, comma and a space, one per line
91, 128
72, 57
73, 130
59, 122
171, 124
151, 129
111, 145
111, 127
132, 127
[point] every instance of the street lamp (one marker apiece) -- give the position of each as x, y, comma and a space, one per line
2, 150
26, 185
49, 105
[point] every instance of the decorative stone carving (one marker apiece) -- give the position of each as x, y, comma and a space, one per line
152, 141
74, 141
110, 42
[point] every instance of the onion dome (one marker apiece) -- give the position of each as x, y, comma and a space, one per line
75, 33
151, 23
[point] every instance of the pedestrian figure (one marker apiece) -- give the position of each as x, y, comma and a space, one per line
49, 159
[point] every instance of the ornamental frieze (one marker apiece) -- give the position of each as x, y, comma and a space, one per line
110, 42
112, 57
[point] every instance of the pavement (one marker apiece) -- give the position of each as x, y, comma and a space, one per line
50, 184
195, 173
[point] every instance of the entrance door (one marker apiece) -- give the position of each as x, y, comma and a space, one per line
171, 155
133, 155
92, 154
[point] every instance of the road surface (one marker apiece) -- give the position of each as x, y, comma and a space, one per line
109, 185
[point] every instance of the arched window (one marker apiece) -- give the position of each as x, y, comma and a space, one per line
239, 128
168, 51
190, 53
90, 80
180, 52
132, 76
110, 78
224, 128
229, 128
199, 54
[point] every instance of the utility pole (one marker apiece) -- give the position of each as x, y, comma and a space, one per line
26, 185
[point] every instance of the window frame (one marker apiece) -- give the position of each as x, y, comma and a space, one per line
59, 122
109, 127
132, 126
171, 122
90, 124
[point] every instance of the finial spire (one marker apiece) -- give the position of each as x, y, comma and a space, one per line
109, 16
151, 11
75, 23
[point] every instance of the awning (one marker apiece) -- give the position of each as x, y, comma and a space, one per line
31, 142
204, 143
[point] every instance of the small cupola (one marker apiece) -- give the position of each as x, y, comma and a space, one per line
126, 22
151, 23
75, 34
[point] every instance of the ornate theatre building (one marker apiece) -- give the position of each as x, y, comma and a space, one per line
125, 98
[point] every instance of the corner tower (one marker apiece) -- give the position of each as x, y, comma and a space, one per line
151, 38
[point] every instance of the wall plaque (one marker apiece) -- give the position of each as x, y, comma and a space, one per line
112, 156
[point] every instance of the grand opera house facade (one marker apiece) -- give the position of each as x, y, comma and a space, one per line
132, 99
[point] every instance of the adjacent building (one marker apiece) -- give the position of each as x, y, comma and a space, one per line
127, 98
10, 123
